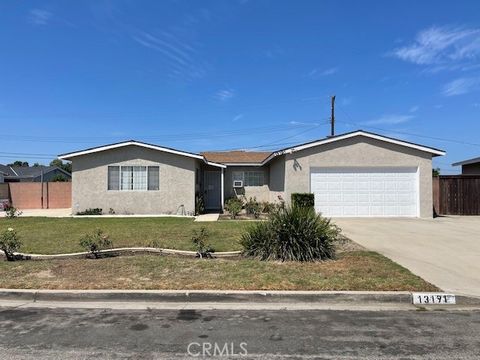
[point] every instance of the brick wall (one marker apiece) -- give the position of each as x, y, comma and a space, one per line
55, 195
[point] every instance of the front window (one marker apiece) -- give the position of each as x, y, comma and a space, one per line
249, 178
133, 178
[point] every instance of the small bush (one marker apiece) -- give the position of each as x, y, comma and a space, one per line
253, 207
267, 207
12, 212
91, 211
59, 178
199, 239
111, 211
234, 206
294, 233
9, 243
95, 242
305, 200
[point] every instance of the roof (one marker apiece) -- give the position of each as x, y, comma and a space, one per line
331, 139
6, 170
69, 156
467, 162
24, 172
253, 158
236, 157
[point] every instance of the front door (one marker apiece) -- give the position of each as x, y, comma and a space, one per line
212, 190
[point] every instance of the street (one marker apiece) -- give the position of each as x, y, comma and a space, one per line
42, 333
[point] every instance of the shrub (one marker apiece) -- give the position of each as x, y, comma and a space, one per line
267, 207
95, 242
199, 239
234, 206
9, 243
91, 211
305, 200
293, 233
59, 178
252, 206
12, 212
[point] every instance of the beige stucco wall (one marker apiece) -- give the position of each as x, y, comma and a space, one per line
471, 169
262, 193
355, 152
277, 179
177, 182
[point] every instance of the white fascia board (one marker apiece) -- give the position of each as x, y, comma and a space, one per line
372, 136
467, 162
127, 143
244, 164
357, 133
216, 164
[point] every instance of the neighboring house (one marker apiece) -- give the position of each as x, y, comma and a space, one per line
469, 167
32, 173
355, 174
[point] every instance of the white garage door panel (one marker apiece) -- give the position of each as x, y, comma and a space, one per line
365, 191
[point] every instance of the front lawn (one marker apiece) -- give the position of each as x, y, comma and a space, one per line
355, 270
61, 235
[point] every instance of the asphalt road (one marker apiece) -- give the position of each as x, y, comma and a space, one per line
166, 334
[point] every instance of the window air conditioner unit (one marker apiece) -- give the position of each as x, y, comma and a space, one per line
238, 183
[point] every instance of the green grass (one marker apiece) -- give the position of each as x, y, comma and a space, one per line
62, 235
357, 270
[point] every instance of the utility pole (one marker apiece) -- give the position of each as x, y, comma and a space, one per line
332, 119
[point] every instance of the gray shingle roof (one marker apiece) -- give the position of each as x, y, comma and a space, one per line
23, 172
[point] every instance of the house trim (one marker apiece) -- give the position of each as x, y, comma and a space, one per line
467, 162
68, 156
433, 151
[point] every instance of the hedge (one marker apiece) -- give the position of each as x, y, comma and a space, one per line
303, 200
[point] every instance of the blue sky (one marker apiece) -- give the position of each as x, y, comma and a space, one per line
216, 75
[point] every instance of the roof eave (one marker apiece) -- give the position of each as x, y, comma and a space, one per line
69, 156
467, 162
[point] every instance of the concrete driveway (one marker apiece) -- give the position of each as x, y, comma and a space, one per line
444, 251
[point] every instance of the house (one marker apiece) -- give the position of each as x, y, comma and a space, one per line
355, 174
31, 173
469, 167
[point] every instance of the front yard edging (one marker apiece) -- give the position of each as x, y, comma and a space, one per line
125, 251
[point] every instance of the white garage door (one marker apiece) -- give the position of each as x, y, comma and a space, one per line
360, 192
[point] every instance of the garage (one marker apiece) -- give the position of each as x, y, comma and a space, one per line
366, 191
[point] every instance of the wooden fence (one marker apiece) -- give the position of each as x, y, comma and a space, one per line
456, 195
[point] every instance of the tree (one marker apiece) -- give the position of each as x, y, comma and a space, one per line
36, 164
67, 166
59, 178
436, 172
19, 163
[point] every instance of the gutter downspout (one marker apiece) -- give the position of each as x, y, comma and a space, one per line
222, 187
41, 184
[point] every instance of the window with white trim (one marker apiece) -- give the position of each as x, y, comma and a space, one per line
133, 178
249, 178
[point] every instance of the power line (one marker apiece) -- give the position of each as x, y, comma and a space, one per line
408, 133
167, 137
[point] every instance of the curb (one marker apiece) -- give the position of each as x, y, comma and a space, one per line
125, 251
227, 296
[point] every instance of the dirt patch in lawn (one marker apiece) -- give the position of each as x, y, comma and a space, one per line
358, 270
